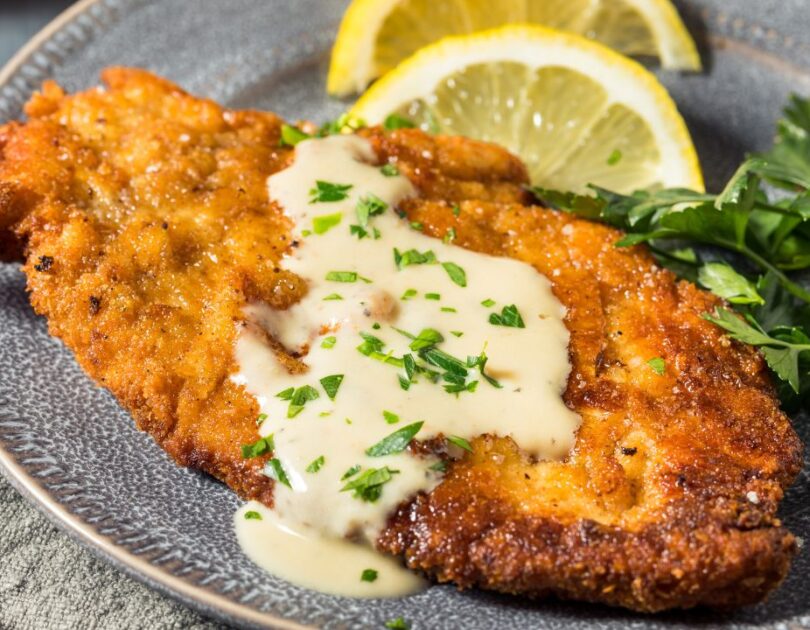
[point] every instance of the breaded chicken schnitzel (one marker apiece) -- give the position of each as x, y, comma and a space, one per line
143, 219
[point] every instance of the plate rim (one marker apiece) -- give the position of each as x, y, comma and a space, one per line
130, 564
152, 576
209, 604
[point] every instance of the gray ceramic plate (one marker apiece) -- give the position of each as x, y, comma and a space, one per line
75, 452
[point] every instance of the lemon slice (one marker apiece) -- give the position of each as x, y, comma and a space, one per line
375, 35
574, 110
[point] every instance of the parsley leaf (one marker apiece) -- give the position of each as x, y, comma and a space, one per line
329, 342
253, 515
721, 279
389, 170
460, 442
397, 624
368, 575
658, 365
369, 484
326, 222
290, 136
300, 397
351, 472
327, 192
456, 273
396, 442
413, 257
316, 464
509, 317
395, 121
369, 206
259, 447
331, 384
781, 350
341, 276
275, 470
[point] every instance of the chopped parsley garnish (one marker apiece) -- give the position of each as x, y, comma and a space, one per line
286, 394
275, 470
329, 342
448, 309
416, 225
300, 397
409, 293
290, 136
252, 515
342, 276
397, 624
614, 157
367, 207
373, 347
404, 383
331, 384
456, 210
456, 273
376, 326
509, 317
351, 472
359, 231
316, 464
324, 223
480, 362
396, 442
488, 302
460, 442
413, 257
333, 296
342, 124
261, 446
456, 333
369, 484
449, 235
262, 417
326, 192
433, 296
440, 466
390, 417
426, 338
658, 365
368, 575
395, 121
389, 170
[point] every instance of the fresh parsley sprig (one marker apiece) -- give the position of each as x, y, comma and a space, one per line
756, 239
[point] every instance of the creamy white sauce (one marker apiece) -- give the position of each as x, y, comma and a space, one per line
530, 363
330, 565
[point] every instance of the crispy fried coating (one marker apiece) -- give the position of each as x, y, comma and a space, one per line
143, 217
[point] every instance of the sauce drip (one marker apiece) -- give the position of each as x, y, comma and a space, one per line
362, 286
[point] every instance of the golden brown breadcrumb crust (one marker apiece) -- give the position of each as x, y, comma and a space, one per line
146, 227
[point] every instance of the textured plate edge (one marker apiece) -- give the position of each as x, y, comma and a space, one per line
204, 602
35, 43
208, 604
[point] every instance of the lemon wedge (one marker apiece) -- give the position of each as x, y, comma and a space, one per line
375, 35
575, 111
